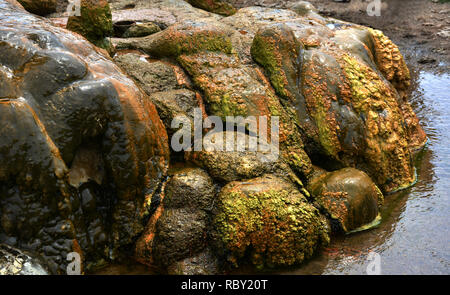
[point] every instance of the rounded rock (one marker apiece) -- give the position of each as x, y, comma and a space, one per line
268, 219
349, 196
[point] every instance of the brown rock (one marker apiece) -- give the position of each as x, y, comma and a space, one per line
349, 196
105, 130
39, 7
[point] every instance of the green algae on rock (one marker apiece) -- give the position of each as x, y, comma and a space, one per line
268, 219
99, 164
233, 89
94, 23
335, 110
392, 65
182, 38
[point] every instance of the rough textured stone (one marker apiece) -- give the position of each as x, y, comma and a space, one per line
205, 263
160, 17
80, 178
268, 219
232, 89
94, 23
181, 38
179, 10
15, 262
179, 234
231, 165
152, 75
179, 228
190, 188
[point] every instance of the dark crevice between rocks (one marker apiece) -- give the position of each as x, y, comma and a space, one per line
323, 161
97, 198
156, 199
121, 27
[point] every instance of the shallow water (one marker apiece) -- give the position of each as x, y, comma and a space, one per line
413, 236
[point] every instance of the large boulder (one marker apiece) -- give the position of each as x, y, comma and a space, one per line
338, 87
344, 81
83, 150
267, 221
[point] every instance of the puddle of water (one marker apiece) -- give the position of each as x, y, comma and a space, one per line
414, 235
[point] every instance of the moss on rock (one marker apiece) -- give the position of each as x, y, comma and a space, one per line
275, 47
94, 22
393, 66
234, 89
386, 147
268, 219
186, 37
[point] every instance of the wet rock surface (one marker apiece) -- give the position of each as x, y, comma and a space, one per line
179, 229
348, 196
15, 262
230, 164
330, 86
99, 178
82, 149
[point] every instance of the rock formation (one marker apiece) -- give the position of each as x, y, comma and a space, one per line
85, 162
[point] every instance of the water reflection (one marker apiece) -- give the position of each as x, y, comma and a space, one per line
413, 237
